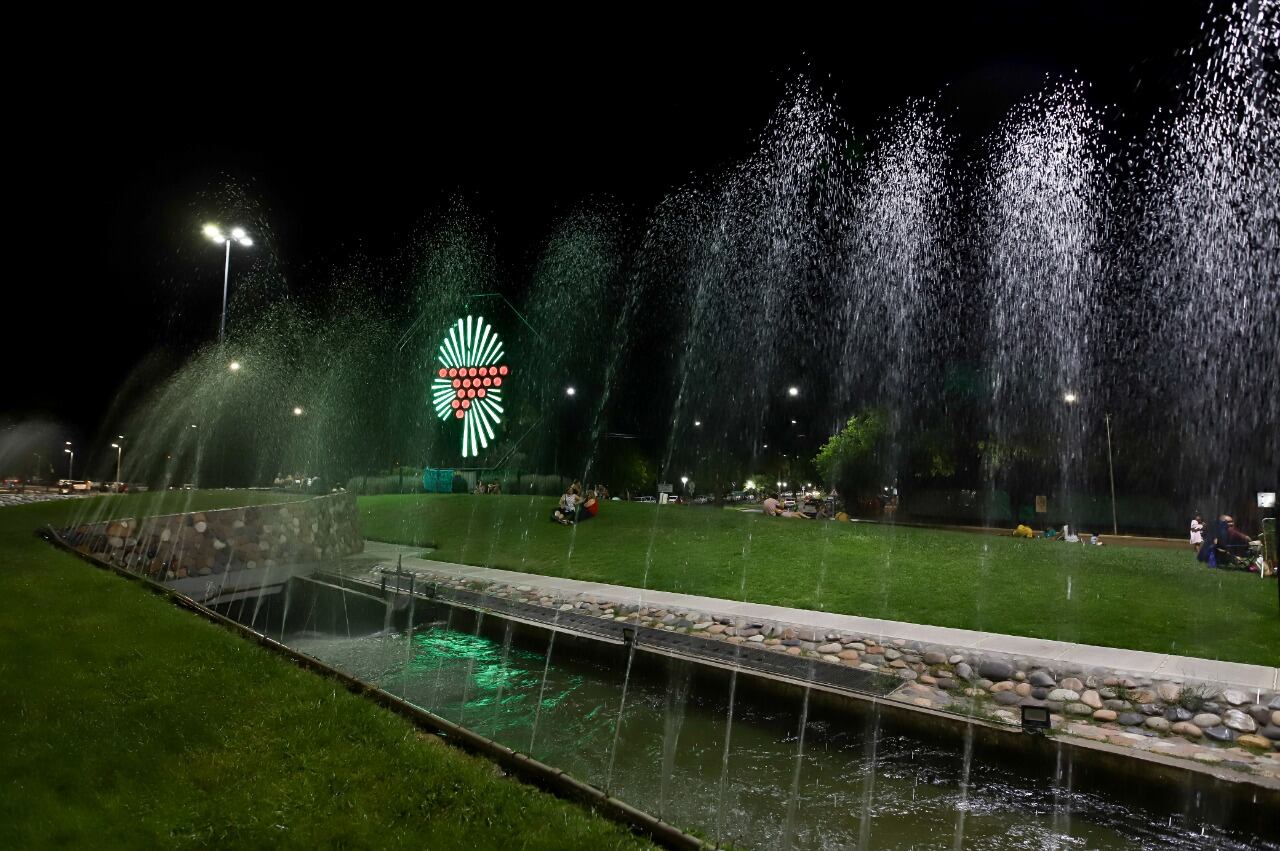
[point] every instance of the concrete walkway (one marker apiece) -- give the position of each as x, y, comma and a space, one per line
1139, 664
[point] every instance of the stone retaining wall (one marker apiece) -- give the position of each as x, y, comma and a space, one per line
203, 543
1211, 723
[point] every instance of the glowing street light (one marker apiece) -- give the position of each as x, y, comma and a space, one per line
237, 235
71, 460
697, 423
234, 366
297, 411
793, 391
119, 452
570, 391
1071, 398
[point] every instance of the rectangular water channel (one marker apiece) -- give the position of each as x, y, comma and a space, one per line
738, 758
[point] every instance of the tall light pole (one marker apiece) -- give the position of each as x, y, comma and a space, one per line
71, 461
119, 451
1071, 398
237, 235
1111, 471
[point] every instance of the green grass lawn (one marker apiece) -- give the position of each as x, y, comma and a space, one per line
126, 722
1144, 599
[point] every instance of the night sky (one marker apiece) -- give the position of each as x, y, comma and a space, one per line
348, 147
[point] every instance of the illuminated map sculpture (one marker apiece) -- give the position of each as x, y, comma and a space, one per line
468, 384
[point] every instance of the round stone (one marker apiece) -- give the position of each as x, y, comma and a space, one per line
1104, 715
1078, 709
1022, 689
1064, 695
935, 658
1092, 698
1177, 714
1259, 713
963, 671
1039, 693
1117, 705
1271, 731
1235, 697
946, 684
1186, 728
993, 669
832, 648
1158, 724
1238, 721
1006, 685
1006, 698
1131, 719
1275, 718
1206, 720
1072, 684
1169, 692
1220, 734
1041, 679
1251, 741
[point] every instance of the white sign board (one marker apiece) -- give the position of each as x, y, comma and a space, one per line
662, 499
1266, 500
665, 487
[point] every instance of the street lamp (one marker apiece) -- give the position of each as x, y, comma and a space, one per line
71, 461
793, 391
119, 452
234, 366
297, 411
697, 423
570, 391
237, 235
1071, 398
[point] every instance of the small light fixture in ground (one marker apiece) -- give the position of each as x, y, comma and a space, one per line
193, 425
1069, 398
697, 422
234, 366
569, 391
793, 391
297, 411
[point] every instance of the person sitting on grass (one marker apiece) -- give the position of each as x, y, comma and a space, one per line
770, 506
1023, 531
565, 511
589, 508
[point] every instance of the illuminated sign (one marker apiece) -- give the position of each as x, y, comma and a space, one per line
468, 383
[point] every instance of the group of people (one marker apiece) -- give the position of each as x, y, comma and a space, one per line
1224, 545
489, 487
773, 508
575, 506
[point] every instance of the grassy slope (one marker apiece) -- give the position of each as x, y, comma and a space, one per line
1158, 600
125, 722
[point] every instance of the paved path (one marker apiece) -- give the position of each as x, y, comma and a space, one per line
1064, 654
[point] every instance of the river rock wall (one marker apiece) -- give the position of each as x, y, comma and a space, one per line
202, 543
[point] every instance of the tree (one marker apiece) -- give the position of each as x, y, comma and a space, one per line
851, 459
